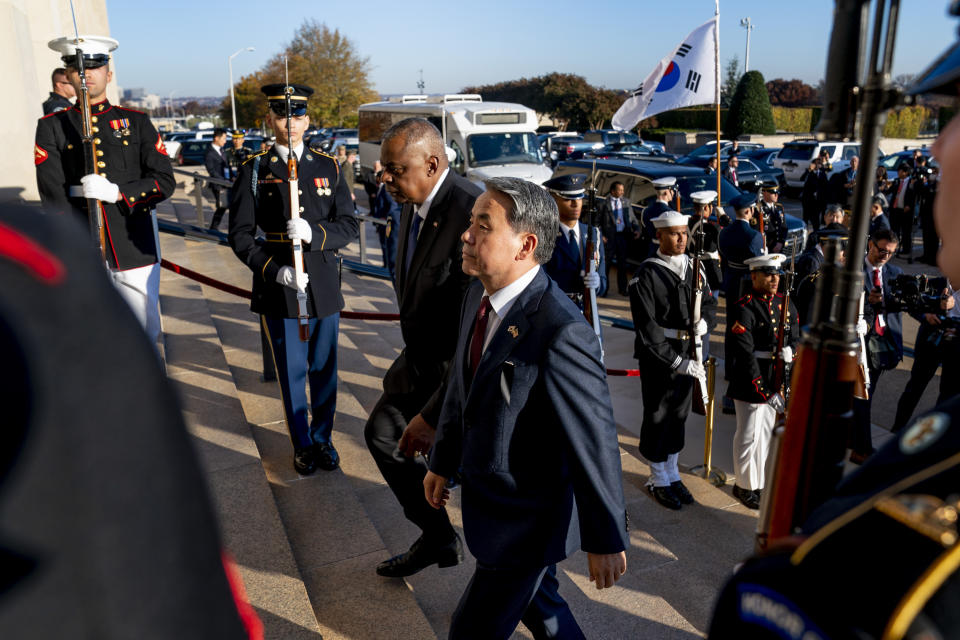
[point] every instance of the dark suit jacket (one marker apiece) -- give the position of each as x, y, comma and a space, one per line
878, 223
430, 295
565, 264
889, 308
216, 165
909, 196
533, 436
608, 222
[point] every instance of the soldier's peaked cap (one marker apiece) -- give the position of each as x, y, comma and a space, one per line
96, 50
670, 219
767, 263
703, 197
743, 201
569, 186
771, 187
668, 182
276, 94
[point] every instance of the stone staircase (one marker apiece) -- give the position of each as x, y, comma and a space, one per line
307, 546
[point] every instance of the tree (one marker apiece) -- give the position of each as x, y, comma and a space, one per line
251, 103
903, 80
750, 110
792, 93
731, 78
322, 59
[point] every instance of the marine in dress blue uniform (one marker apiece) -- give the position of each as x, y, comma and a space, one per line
566, 265
326, 209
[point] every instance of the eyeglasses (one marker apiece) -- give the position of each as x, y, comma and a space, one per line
885, 252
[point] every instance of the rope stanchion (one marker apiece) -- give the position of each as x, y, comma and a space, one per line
629, 373
714, 475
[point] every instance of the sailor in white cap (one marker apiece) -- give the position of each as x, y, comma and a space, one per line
665, 188
131, 174
750, 347
660, 296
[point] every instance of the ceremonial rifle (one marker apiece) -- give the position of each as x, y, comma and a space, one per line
761, 226
810, 449
591, 260
779, 366
94, 206
862, 386
700, 393
303, 317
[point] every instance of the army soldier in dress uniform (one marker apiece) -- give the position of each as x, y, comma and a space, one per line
775, 225
665, 188
750, 345
236, 154
737, 242
326, 224
133, 175
566, 265
660, 303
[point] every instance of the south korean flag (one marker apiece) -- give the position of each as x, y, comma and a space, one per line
684, 78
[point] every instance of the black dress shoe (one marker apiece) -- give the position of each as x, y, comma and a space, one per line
665, 496
327, 456
683, 494
305, 460
420, 556
749, 498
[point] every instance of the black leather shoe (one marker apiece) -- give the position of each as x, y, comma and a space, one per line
327, 456
305, 460
683, 494
749, 498
665, 496
420, 556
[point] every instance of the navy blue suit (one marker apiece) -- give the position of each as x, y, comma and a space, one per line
386, 208
534, 441
738, 242
860, 440
566, 263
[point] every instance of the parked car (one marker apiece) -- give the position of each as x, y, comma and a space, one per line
761, 156
573, 147
709, 149
193, 152
795, 157
637, 177
550, 141
640, 151
892, 161
615, 136
749, 174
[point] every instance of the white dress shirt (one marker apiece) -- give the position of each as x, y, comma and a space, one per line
424, 208
282, 151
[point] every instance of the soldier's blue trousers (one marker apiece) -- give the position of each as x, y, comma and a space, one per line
298, 361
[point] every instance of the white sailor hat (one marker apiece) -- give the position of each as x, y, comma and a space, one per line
770, 263
703, 197
96, 50
664, 183
670, 219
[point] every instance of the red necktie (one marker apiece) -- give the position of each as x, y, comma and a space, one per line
877, 282
479, 335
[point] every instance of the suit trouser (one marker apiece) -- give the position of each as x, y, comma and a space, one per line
928, 354
751, 443
617, 245
140, 287
218, 214
931, 241
902, 222
498, 599
861, 438
296, 362
388, 245
404, 475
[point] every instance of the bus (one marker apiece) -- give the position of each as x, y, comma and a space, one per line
487, 139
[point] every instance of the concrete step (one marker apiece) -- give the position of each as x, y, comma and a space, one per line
250, 523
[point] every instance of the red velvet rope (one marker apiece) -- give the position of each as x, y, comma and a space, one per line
348, 315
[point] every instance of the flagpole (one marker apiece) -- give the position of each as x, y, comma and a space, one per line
716, 69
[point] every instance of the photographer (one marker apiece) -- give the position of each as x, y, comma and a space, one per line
884, 336
936, 344
931, 241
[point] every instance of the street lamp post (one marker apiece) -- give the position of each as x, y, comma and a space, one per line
170, 104
746, 24
233, 103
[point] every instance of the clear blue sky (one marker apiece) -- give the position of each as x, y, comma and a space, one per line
183, 46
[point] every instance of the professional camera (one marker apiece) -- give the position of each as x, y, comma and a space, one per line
918, 293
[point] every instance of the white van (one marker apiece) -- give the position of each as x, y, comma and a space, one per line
489, 139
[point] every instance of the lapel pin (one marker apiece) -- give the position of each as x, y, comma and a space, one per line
513, 331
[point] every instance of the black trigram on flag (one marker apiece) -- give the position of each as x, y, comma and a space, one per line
638, 92
693, 80
684, 50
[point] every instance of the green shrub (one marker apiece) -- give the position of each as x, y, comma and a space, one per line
793, 119
750, 110
905, 122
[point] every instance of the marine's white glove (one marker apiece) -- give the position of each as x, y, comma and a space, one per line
299, 229
288, 278
691, 368
787, 355
777, 403
862, 328
701, 327
592, 280
99, 188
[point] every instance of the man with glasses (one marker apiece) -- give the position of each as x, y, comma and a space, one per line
326, 224
62, 94
131, 176
881, 312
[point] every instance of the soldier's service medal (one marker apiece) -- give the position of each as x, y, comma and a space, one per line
121, 127
319, 183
